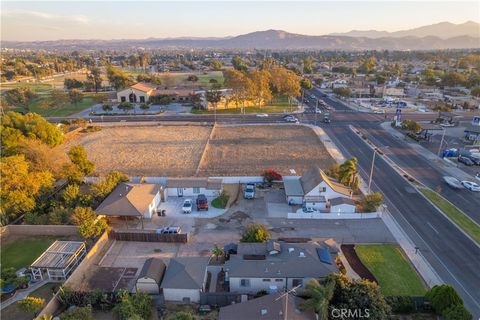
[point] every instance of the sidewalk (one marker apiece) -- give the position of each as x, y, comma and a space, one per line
417, 259
21, 294
444, 165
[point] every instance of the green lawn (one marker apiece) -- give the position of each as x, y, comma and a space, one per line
392, 270
22, 252
461, 219
279, 105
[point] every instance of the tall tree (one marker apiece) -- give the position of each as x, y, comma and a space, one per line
259, 87
94, 76
78, 156
319, 296
239, 64
75, 96
118, 78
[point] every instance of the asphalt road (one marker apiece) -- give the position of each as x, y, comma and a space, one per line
454, 256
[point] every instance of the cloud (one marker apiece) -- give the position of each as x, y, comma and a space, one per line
21, 13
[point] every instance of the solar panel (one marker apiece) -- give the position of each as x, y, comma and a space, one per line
324, 255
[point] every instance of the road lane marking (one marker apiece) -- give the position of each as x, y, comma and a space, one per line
433, 228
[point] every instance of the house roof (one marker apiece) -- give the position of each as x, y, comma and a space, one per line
314, 176
268, 307
185, 273
208, 183
142, 86
128, 199
153, 268
299, 260
293, 187
175, 92
341, 200
248, 248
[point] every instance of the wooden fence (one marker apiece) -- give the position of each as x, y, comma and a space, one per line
148, 236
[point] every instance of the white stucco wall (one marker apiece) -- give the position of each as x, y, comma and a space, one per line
179, 294
188, 192
328, 193
126, 93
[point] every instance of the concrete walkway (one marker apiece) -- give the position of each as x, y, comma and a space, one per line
21, 294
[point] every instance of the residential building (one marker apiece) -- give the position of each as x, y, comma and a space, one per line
185, 279
179, 187
131, 200
145, 92
276, 266
151, 276
269, 307
342, 205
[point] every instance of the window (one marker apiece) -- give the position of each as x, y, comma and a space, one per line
278, 280
196, 190
323, 189
296, 282
266, 280
244, 283
123, 99
142, 99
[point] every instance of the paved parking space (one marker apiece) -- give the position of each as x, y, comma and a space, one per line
173, 207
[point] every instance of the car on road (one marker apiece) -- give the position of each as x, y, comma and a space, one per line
168, 230
202, 202
379, 111
187, 206
291, 119
249, 191
447, 124
453, 182
466, 161
472, 186
262, 115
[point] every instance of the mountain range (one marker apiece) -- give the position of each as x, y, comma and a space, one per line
443, 35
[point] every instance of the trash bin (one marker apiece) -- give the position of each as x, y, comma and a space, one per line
164, 212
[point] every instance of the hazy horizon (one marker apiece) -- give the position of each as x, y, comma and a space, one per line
57, 20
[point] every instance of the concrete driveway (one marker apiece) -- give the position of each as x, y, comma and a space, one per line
173, 207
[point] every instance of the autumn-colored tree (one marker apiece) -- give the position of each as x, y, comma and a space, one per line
255, 233
79, 158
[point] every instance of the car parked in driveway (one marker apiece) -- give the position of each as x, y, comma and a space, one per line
309, 210
249, 191
187, 206
453, 182
168, 230
466, 161
202, 202
472, 186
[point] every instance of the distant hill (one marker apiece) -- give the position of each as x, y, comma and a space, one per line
443, 30
279, 40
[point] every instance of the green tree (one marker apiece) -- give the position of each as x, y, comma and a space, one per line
259, 87
453, 79
457, 312
71, 195
308, 65
214, 96
192, 78
144, 60
59, 216
134, 306
20, 97
319, 296
72, 84
89, 225
105, 185
217, 252
475, 92
81, 214
20, 186
144, 106
443, 297
372, 201
368, 65
239, 64
306, 84
216, 64
56, 100
95, 78
237, 81
75, 96
78, 156
107, 107
255, 233
125, 106
118, 78
343, 92
182, 315
31, 304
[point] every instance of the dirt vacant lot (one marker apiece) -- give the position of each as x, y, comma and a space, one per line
146, 151
184, 151
247, 150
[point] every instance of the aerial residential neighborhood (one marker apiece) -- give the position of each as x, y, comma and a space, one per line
194, 161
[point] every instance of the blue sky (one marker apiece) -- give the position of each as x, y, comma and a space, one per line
38, 20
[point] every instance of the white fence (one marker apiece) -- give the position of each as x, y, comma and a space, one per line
333, 216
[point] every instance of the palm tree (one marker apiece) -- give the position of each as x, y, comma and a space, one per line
217, 252
319, 296
349, 173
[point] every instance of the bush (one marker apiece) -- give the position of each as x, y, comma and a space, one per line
31, 304
255, 233
269, 175
75, 313
135, 306
221, 201
443, 297
401, 304
372, 201
261, 293
411, 125
182, 315
457, 312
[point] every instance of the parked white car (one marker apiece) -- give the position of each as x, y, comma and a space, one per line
262, 115
472, 186
453, 182
187, 206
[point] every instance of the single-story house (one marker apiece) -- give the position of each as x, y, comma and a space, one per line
185, 279
314, 189
151, 276
131, 200
342, 205
143, 92
268, 307
179, 187
255, 267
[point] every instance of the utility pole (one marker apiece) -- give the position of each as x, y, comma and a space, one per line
316, 108
441, 142
371, 171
